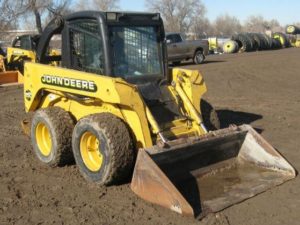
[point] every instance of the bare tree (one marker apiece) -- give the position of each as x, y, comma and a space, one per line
226, 25
40, 8
178, 15
23, 10
9, 13
260, 24
275, 26
202, 28
255, 24
103, 5
36, 8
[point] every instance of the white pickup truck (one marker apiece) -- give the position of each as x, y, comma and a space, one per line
180, 49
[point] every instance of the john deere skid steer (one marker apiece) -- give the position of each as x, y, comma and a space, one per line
7, 76
116, 107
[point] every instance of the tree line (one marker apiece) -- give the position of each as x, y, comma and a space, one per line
35, 14
190, 16
186, 16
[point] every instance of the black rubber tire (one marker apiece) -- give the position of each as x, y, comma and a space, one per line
176, 63
243, 41
254, 46
296, 30
60, 126
263, 41
199, 57
268, 41
286, 43
258, 41
276, 44
209, 116
230, 47
116, 148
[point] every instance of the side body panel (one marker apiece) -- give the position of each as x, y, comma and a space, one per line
83, 94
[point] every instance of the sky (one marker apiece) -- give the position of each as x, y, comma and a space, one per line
286, 12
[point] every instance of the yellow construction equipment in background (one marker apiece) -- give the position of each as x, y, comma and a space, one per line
8, 77
213, 44
294, 35
22, 49
115, 106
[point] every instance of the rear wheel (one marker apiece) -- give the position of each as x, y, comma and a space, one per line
199, 57
210, 116
51, 135
103, 148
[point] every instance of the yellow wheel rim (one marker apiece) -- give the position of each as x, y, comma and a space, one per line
90, 152
291, 29
43, 139
282, 40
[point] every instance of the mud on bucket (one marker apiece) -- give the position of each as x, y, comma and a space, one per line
195, 177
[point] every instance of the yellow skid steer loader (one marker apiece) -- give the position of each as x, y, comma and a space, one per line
8, 77
12, 63
116, 107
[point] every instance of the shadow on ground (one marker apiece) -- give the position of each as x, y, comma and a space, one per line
213, 61
228, 117
190, 63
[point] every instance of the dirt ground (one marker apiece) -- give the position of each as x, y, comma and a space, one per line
261, 89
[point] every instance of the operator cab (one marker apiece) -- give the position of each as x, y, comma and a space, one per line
26, 42
118, 44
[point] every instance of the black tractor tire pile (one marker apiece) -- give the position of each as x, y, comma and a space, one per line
260, 42
248, 42
244, 42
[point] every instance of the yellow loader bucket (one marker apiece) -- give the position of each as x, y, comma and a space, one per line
197, 176
10, 77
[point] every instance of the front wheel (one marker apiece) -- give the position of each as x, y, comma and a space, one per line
103, 148
199, 57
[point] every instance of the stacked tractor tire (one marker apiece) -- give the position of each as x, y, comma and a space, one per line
248, 42
294, 35
291, 29
230, 47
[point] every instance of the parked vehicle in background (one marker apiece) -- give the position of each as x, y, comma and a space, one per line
180, 49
